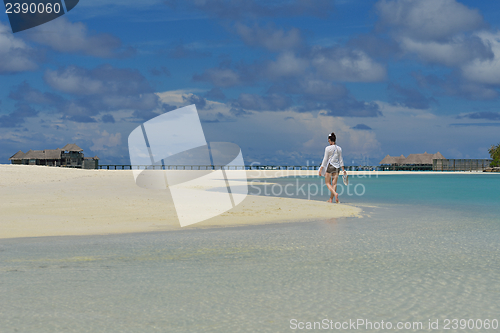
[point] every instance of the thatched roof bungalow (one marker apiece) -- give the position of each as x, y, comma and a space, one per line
393, 160
69, 156
412, 159
388, 160
72, 147
17, 156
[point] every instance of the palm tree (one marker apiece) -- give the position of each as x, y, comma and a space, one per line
495, 155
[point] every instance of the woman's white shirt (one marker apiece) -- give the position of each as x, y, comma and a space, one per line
333, 156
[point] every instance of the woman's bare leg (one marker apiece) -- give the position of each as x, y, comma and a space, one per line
335, 178
328, 180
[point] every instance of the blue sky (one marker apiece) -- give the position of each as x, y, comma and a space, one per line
275, 77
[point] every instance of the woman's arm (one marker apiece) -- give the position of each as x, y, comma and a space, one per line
341, 160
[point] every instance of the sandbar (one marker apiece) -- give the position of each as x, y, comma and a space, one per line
38, 201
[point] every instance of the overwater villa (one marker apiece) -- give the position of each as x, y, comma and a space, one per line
424, 159
70, 156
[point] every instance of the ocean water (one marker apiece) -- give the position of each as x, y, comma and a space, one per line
450, 190
426, 253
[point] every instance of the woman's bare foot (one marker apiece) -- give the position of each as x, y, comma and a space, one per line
337, 198
330, 200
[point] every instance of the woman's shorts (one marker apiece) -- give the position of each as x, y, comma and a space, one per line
332, 169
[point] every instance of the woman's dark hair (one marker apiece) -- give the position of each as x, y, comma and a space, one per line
332, 137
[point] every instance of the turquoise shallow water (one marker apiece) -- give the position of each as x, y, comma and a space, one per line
431, 190
423, 251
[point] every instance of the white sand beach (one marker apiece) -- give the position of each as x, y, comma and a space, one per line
46, 201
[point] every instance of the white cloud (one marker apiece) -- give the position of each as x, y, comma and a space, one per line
175, 96
435, 20
213, 110
356, 144
302, 137
348, 66
437, 31
263, 103
321, 89
409, 131
485, 70
287, 64
73, 80
15, 54
336, 64
389, 109
64, 36
262, 134
271, 137
110, 88
105, 141
220, 77
455, 52
270, 38
104, 80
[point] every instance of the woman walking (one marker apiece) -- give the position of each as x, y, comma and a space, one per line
330, 167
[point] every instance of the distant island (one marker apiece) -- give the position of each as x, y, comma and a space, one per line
70, 156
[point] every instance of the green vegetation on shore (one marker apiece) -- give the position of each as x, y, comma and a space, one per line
495, 155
